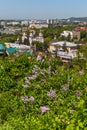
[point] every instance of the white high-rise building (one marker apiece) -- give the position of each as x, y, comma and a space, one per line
24, 37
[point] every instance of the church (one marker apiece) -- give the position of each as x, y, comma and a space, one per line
33, 37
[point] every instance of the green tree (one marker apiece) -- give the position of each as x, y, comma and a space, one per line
83, 50
39, 45
83, 34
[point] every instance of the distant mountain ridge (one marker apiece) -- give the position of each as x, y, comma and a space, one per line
81, 19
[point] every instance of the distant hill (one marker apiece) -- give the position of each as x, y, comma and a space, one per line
81, 19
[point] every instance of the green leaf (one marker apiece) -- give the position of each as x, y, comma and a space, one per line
77, 127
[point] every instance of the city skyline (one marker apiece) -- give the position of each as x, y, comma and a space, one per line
42, 9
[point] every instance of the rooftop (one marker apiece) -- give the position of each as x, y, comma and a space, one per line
2, 47
61, 43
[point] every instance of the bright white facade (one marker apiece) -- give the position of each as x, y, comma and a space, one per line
67, 33
13, 23
24, 23
69, 53
24, 37
33, 37
39, 38
38, 25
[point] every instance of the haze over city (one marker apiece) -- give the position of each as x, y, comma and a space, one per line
42, 9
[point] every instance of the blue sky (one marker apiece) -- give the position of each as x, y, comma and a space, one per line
42, 9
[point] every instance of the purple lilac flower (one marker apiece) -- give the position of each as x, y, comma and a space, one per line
44, 109
24, 99
64, 88
51, 93
78, 93
31, 99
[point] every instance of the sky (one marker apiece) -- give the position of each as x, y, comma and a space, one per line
42, 9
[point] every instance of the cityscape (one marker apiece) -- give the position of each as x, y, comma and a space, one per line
43, 65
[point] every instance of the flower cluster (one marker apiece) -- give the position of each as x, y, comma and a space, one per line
35, 72
51, 93
32, 77
25, 99
26, 83
78, 93
64, 88
31, 99
44, 109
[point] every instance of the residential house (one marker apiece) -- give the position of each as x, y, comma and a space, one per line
63, 49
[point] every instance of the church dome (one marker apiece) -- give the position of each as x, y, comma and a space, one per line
32, 27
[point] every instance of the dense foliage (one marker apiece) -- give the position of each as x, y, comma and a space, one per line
42, 95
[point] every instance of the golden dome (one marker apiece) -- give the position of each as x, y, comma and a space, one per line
32, 27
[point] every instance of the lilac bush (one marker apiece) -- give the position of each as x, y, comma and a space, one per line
58, 107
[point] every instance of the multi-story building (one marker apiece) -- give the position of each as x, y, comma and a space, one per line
38, 25
65, 50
